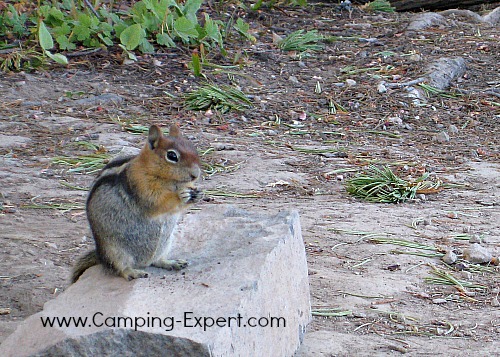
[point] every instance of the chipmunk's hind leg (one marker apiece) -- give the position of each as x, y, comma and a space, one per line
122, 264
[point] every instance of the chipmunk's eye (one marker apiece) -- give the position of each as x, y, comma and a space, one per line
172, 156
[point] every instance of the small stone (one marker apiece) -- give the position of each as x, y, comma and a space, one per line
449, 257
223, 146
381, 88
360, 315
272, 132
495, 302
293, 79
439, 301
476, 238
452, 129
477, 254
442, 137
395, 121
51, 245
350, 82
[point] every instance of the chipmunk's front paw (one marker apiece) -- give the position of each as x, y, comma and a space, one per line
190, 195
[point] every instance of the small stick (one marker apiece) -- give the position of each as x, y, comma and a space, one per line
89, 5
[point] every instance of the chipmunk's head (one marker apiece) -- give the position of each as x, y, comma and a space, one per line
175, 155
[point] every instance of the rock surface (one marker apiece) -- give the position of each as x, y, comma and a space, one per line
245, 269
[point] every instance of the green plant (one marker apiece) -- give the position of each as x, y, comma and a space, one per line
19, 59
302, 41
14, 23
147, 25
382, 185
223, 99
272, 3
378, 5
46, 43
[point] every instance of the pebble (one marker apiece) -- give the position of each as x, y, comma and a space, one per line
495, 302
449, 257
223, 146
477, 254
381, 88
442, 137
476, 238
50, 245
350, 82
293, 79
452, 129
439, 301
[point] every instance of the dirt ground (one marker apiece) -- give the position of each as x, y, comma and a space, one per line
308, 132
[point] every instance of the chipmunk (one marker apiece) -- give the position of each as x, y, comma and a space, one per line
135, 202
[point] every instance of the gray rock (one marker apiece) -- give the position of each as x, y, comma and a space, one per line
242, 266
444, 70
442, 137
8, 141
452, 129
99, 100
477, 254
449, 257
350, 82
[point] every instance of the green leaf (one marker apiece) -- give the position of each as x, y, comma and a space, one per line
59, 58
185, 29
190, 9
64, 43
146, 47
132, 36
196, 63
44, 37
82, 32
164, 40
242, 27
64, 29
213, 30
106, 40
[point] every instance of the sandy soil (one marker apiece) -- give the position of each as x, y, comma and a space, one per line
288, 152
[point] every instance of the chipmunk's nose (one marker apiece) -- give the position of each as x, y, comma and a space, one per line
195, 173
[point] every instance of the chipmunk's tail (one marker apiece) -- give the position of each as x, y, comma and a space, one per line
85, 262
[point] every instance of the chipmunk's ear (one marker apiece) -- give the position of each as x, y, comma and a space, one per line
174, 130
154, 136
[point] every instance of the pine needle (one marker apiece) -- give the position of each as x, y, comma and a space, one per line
383, 186
302, 41
223, 99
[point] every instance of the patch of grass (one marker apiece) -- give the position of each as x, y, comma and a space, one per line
331, 312
381, 185
441, 277
302, 41
430, 90
83, 164
402, 242
378, 5
223, 99
60, 206
220, 193
212, 169
317, 151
